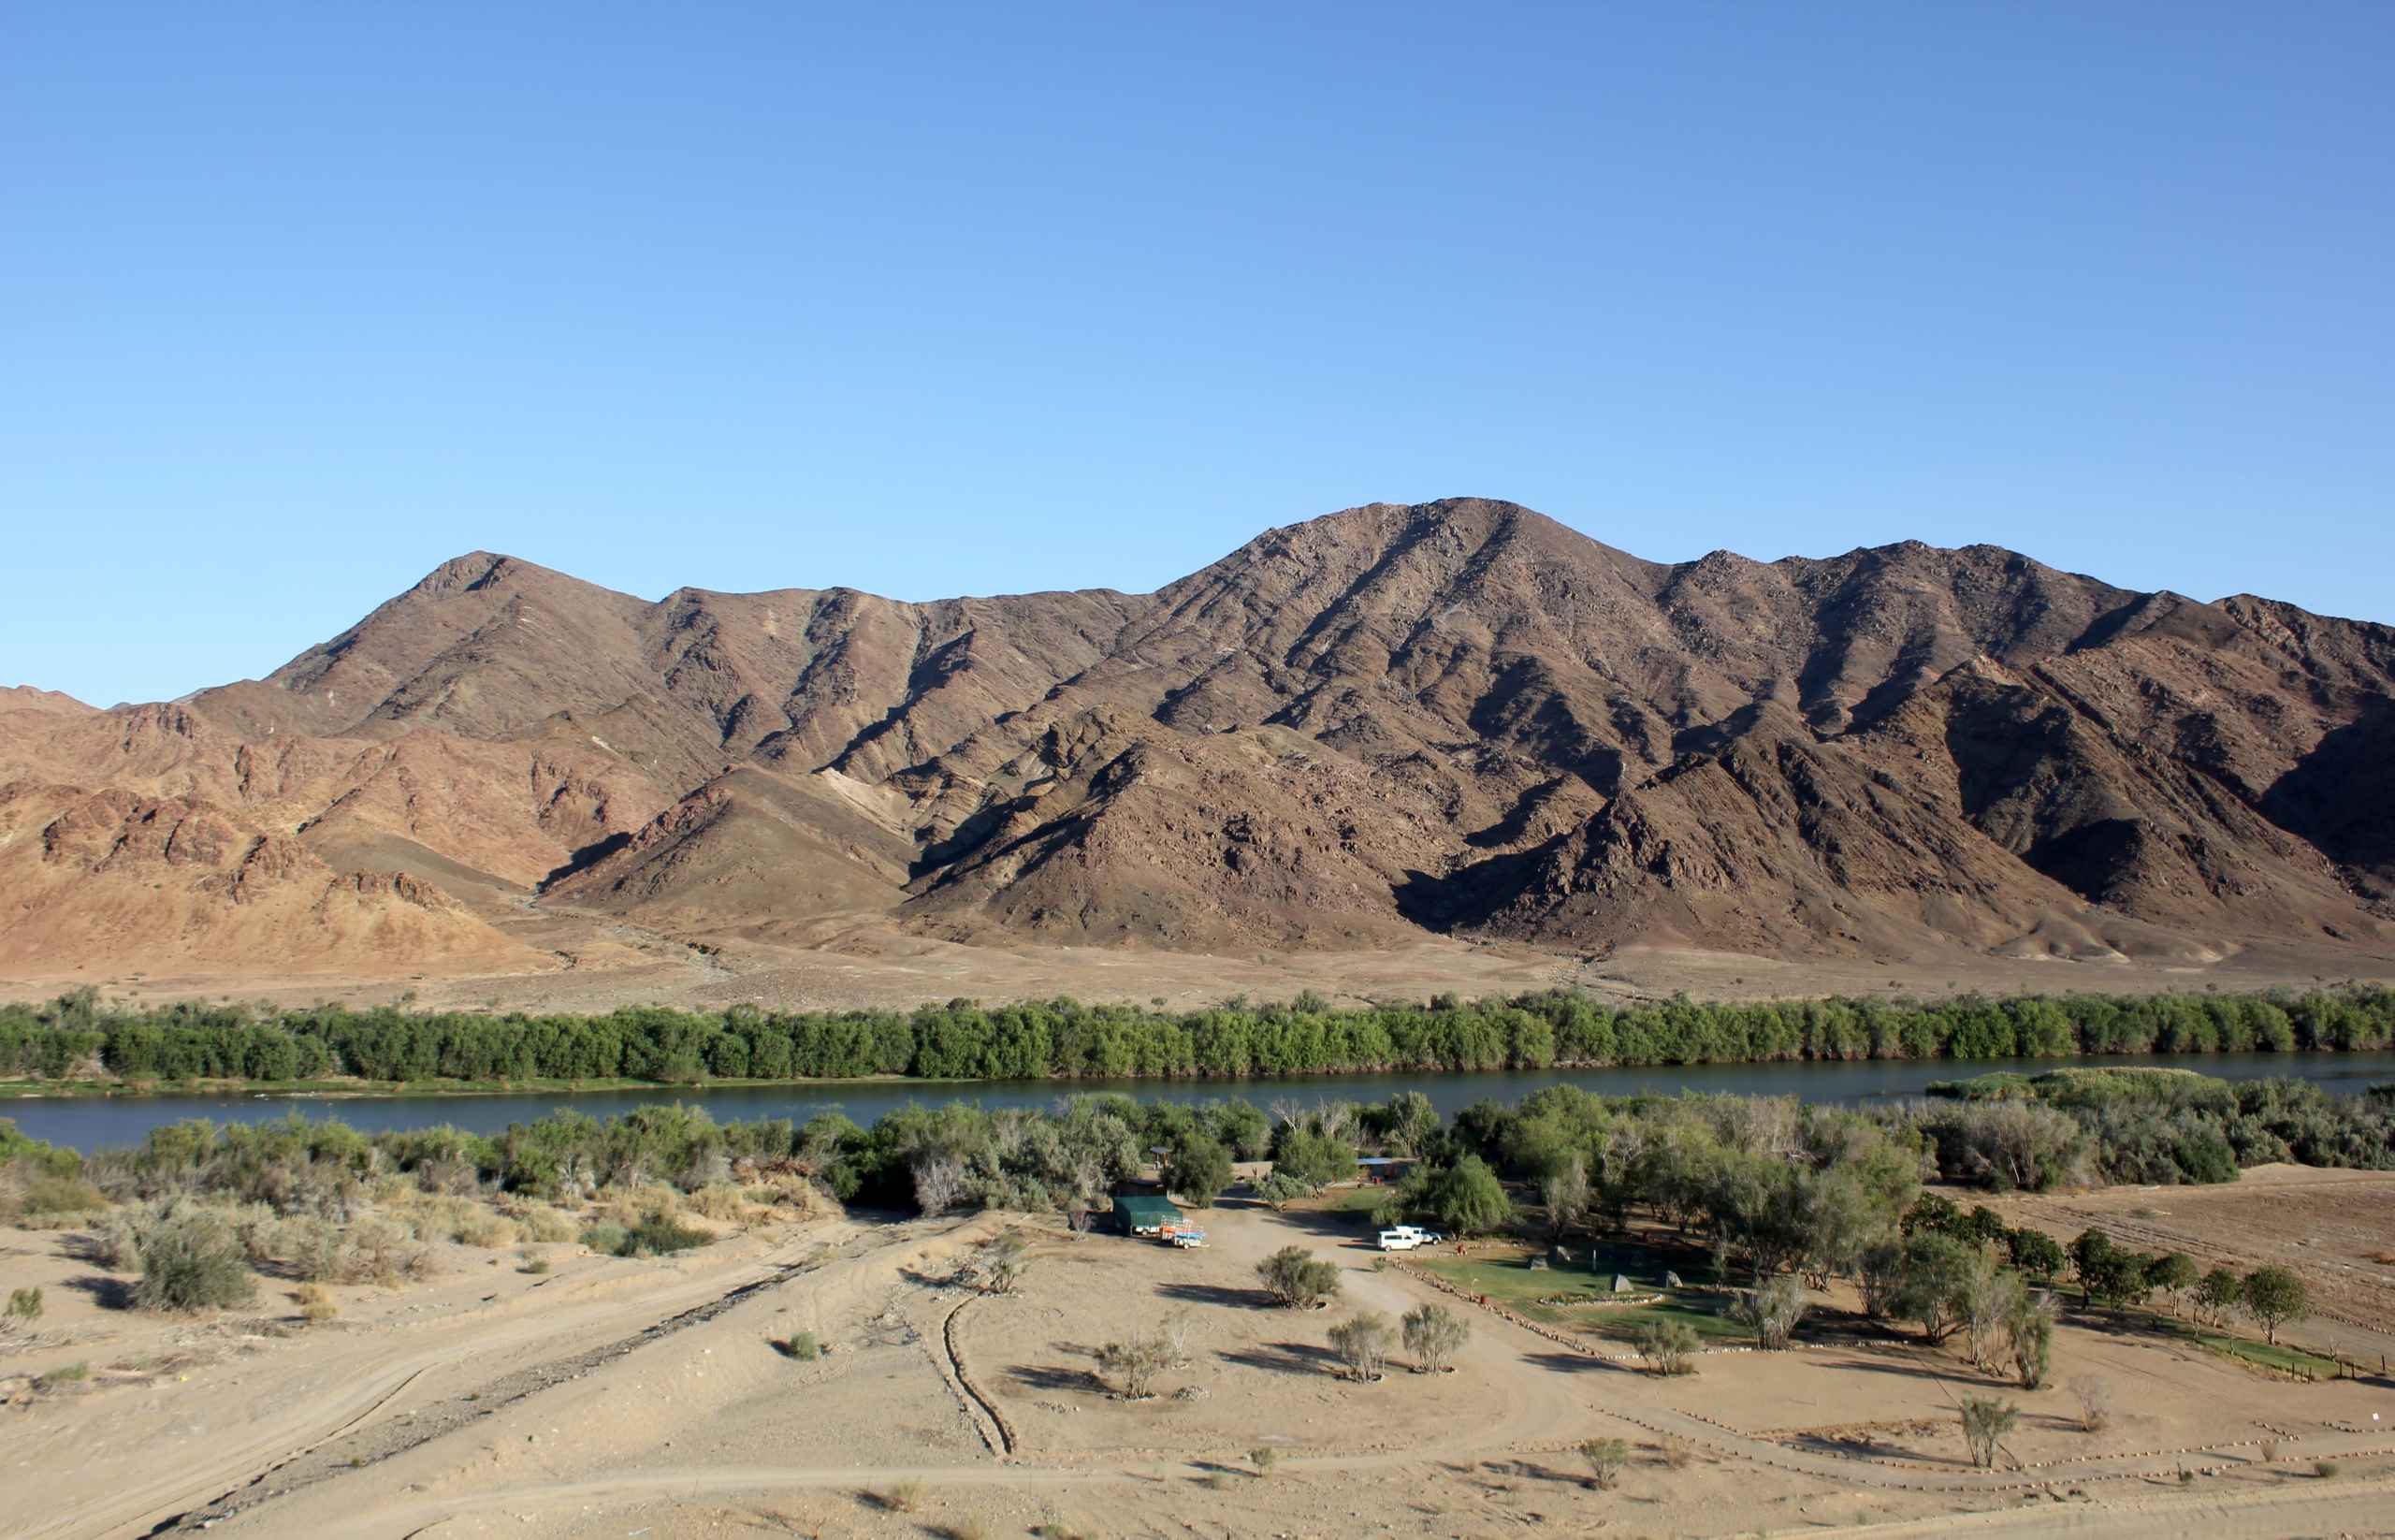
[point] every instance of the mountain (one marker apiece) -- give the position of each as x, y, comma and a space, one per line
1458, 717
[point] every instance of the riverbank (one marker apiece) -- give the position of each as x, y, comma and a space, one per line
346, 1088
89, 1123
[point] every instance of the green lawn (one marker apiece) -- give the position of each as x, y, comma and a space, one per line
1512, 1279
2280, 1356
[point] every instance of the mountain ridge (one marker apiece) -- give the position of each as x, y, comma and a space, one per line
1459, 717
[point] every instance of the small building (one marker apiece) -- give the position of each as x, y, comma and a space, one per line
1377, 1170
1139, 1214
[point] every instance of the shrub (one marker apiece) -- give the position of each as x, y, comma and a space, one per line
1986, 1421
2325, 1469
2095, 1398
117, 1243
1434, 1335
1669, 1347
1264, 1457
23, 1310
906, 1497
1297, 1279
1002, 1263
607, 1238
311, 1247
1772, 1310
315, 1305
528, 1260
478, 1226
193, 1261
1606, 1456
381, 1251
1362, 1344
1134, 1365
2030, 1330
802, 1345
50, 1198
1676, 1452
545, 1225
78, 1371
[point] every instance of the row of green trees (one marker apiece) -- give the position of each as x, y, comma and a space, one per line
76, 1036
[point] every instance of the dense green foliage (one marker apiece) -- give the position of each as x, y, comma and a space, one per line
76, 1036
2144, 1125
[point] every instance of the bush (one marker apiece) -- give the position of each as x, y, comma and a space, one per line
79, 1370
607, 1238
1986, 1422
1264, 1458
315, 1305
2095, 1398
1772, 1310
805, 1346
545, 1225
51, 1199
1669, 1347
1134, 1365
381, 1251
1434, 1335
191, 1262
117, 1242
23, 1310
528, 1260
1297, 1279
660, 1234
1606, 1458
1362, 1344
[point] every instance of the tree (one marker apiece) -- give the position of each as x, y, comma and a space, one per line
2038, 1255
1986, 1421
1565, 1192
1280, 1190
1435, 1334
1362, 1342
1669, 1347
2173, 1275
2217, 1293
2275, 1297
1985, 1299
1467, 1197
2029, 1330
1773, 1310
1134, 1365
1605, 1457
1198, 1169
1297, 1279
1930, 1282
1316, 1159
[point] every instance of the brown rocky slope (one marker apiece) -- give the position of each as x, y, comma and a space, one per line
1457, 716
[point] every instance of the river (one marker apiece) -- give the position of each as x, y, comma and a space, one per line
111, 1122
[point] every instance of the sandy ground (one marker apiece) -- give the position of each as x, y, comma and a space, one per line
602, 963
628, 1398
2327, 1225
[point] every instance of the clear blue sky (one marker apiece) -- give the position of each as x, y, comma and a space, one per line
297, 301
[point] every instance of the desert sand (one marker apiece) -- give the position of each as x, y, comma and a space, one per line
613, 1396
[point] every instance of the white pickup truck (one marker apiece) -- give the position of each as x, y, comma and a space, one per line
1407, 1237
